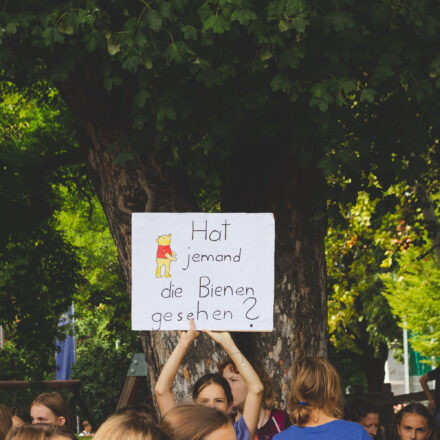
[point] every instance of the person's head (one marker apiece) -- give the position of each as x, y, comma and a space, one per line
20, 416
415, 422
362, 411
40, 431
197, 422
213, 390
229, 371
315, 385
51, 408
87, 427
5, 421
129, 426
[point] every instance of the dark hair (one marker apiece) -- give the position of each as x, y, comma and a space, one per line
267, 398
209, 379
421, 410
58, 405
22, 413
315, 384
193, 422
358, 407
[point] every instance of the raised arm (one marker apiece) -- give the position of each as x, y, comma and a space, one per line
424, 382
166, 378
252, 405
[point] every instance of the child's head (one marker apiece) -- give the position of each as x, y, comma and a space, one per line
415, 421
229, 371
40, 431
315, 384
129, 426
51, 408
197, 422
213, 390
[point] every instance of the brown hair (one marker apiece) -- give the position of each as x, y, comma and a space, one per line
58, 405
315, 385
267, 398
193, 422
5, 421
27, 432
130, 426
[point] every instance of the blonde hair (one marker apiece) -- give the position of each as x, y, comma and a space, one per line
193, 422
5, 421
315, 385
27, 432
129, 426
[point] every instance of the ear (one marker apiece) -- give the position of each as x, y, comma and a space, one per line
61, 421
230, 406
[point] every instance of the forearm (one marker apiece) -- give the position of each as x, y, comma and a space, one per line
168, 374
245, 369
425, 387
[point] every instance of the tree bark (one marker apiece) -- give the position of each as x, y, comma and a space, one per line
296, 197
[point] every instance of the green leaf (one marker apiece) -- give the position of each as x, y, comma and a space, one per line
131, 64
217, 23
189, 32
166, 111
141, 97
154, 20
113, 47
243, 16
11, 28
65, 28
283, 26
367, 95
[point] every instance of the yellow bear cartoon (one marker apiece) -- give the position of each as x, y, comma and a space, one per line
164, 255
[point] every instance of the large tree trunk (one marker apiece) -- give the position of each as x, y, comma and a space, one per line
295, 196
264, 179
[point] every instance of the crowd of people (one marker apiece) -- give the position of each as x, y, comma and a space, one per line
232, 404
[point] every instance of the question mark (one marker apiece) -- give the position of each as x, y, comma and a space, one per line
251, 307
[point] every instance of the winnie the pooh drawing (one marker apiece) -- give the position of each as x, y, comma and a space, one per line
164, 255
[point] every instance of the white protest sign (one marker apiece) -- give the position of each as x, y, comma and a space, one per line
217, 269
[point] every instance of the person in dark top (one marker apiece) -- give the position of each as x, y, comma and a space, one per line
271, 421
361, 410
433, 397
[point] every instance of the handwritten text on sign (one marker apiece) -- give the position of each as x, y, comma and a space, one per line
217, 269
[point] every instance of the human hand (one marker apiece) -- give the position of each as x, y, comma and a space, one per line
222, 338
190, 335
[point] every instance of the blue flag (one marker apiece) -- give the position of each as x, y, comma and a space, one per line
65, 349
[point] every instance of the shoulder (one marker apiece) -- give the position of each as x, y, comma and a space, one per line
433, 374
354, 429
241, 429
286, 434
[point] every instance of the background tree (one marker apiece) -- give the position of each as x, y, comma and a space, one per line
262, 102
38, 269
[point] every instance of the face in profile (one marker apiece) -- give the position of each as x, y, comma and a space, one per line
371, 423
238, 386
213, 395
225, 432
413, 427
42, 414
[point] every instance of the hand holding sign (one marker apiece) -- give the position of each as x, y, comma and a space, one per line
190, 335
